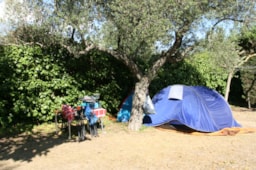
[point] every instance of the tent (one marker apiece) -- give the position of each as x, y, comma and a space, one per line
124, 112
196, 107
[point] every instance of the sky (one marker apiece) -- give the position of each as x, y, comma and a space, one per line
2, 7
4, 27
2, 12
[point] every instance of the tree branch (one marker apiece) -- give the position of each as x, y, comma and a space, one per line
88, 48
224, 19
219, 21
245, 59
168, 55
24, 43
126, 60
121, 57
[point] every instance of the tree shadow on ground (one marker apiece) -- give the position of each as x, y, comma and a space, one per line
23, 147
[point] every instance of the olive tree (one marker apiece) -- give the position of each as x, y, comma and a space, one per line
136, 28
144, 34
247, 41
229, 54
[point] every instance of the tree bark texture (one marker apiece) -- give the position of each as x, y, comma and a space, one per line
230, 76
141, 89
249, 102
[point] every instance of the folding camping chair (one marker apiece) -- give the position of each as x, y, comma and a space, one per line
93, 112
69, 114
92, 119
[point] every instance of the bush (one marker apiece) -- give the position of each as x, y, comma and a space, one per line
35, 82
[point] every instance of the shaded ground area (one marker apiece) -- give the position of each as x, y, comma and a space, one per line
117, 148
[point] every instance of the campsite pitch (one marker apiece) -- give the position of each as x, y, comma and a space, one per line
119, 149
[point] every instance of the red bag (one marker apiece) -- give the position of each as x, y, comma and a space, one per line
68, 112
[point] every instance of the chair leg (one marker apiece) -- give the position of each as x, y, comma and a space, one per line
95, 130
69, 130
81, 130
91, 130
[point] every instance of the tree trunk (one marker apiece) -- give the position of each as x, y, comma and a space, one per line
141, 89
249, 101
230, 75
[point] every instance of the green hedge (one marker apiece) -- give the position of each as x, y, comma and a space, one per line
35, 82
197, 70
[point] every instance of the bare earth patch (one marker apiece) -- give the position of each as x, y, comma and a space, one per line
119, 149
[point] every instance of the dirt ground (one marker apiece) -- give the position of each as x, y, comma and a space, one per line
119, 149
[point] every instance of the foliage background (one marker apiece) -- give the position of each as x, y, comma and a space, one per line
34, 82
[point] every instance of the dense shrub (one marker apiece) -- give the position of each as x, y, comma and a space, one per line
248, 78
35, 81
198, 70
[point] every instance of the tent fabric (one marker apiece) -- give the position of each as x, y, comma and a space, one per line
201, 109
148, 106
124, 112
176, 92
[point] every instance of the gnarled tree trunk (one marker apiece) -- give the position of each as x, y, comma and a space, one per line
141, 89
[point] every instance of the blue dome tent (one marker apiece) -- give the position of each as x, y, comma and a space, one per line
125, 110
196, 107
